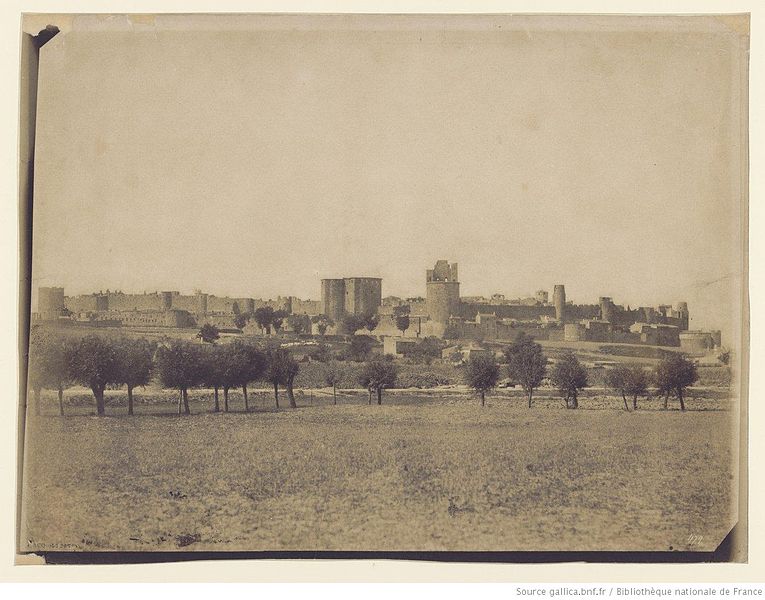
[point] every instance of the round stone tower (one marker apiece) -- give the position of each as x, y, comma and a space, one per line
559, 301
50, 302
607, 312
442, 295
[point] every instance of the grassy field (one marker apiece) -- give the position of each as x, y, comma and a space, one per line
422, 472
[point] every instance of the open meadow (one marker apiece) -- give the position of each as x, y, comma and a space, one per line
424, 471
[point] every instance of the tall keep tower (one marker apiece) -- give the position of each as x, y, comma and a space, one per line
442, 292
559, 301
363, 295
333, 298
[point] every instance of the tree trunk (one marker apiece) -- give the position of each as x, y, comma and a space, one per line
334, 395
680, 397
483, 398
217, 402
531, 391
370, 397
379, 396
291, 394
130, 399
666, 400
634, 402
626, 406
574, 401
186, 402
180, 401
61, 401
225, 398
276, 394
99, 394
246, 400
38, 408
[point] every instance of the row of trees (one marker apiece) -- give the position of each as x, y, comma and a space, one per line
527, 366
56, 363
98, 362
265, 316
267, 319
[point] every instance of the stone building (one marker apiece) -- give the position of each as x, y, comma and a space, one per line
700, 342
169, 308
363, 295
399, 346
333, 298
350, 295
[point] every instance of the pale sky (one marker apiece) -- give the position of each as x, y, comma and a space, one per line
255, 163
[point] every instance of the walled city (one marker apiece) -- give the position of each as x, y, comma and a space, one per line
399, 322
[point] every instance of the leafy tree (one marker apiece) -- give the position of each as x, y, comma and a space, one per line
334, 372
254, 367
724, 356
209, 333
359, 348
370, 321
673, 374
264, 317
291, 369
628, 380
278, 319
240, 364
134, 364
180, 365
379, 374
281, 369
212, 371
241, 319
402, 323
482, 374
322, 323
569, 376
233, 369
365, 382
526, 363
401, 317
299, 323
49, 356
352, 323
322, 327
93, 363
428, 349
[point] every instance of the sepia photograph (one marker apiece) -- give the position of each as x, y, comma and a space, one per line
384, 283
